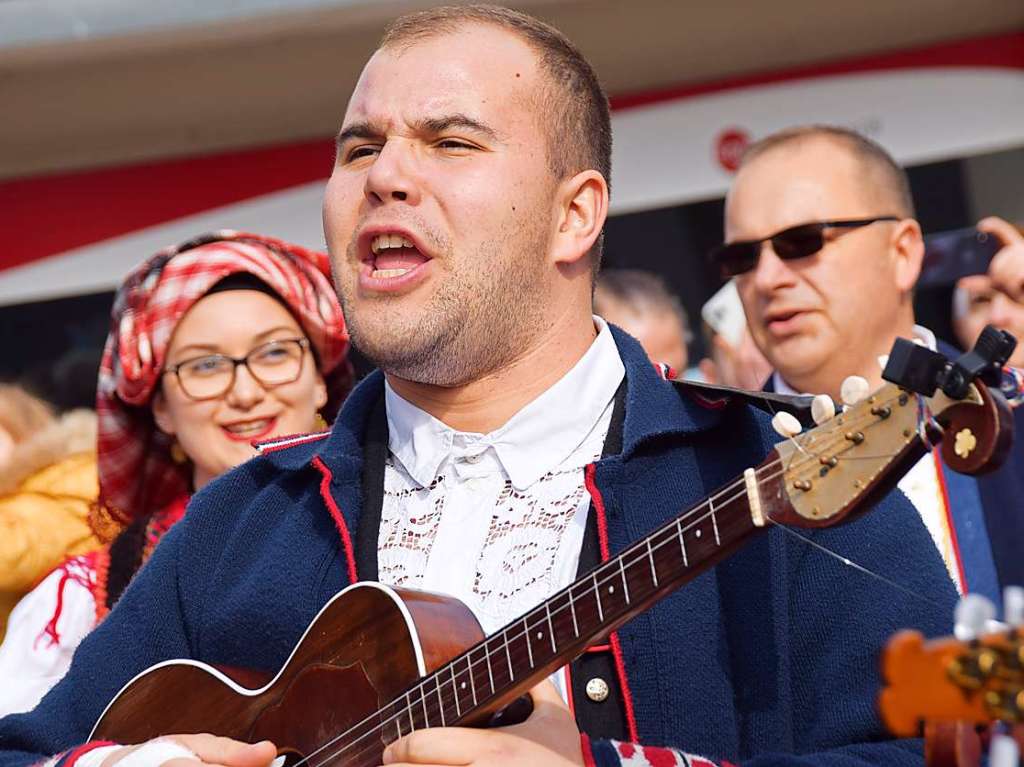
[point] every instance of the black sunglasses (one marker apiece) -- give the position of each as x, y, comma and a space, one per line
800, 241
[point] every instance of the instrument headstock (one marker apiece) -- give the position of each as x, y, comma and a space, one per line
849, 461
977, 678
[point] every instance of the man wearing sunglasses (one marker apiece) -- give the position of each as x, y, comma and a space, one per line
822, 242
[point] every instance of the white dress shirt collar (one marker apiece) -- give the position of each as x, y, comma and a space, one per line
533, 442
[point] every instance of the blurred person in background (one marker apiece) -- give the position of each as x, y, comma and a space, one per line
734, 359
47, 487
642, 304
822, 241
225, 340
995, 298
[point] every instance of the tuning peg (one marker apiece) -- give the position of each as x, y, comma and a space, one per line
853, 390
1003, 751
822, 409
1013, 606
972, 614
786, 424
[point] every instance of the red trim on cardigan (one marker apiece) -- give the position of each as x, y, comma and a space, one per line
588, 752
941, 472
620, 664
82, 750
336, 515
280, 443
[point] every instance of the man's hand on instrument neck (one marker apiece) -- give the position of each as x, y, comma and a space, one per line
548, 738
206, 750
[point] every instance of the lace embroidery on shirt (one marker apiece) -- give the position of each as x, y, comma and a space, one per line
517, 558
406, 540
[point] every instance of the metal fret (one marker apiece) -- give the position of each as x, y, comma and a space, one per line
440, 700
625, 584
551, 628
572, 609
408, 707
682, 543
487, 660
423, 700
714, 521
472, 682
597, 596
455, 689
508, 655
526, 633
650, 558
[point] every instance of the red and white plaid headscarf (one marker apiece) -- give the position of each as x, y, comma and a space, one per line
136, 473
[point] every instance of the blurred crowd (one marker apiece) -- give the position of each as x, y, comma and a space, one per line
233, 339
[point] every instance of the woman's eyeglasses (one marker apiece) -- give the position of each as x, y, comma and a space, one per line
734, 258
271, 364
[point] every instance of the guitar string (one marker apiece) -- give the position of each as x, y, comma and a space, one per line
867, 422
849, 562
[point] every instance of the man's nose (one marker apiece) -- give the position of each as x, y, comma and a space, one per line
770, 272
392, 176
245, 391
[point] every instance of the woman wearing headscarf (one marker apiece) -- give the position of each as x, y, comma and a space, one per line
47, 487
220, 342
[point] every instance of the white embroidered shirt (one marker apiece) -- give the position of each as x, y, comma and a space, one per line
497, 520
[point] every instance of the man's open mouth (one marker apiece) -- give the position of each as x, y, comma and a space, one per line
394, 255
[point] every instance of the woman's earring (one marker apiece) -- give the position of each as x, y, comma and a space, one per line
321, 423
178, 454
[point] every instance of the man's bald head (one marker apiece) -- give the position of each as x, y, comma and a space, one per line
883, 181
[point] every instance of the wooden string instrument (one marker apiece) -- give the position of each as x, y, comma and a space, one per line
378, 662
951, 690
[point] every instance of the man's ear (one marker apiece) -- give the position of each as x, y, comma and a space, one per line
583, 208
907, 246
161, 412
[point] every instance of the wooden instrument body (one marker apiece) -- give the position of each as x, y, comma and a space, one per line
364, 648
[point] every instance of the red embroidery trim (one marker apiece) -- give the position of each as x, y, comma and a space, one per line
81, 751
339, 520
75, 569
941, 471
588, 752
602, 537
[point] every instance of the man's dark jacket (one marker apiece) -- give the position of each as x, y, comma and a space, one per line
770, 654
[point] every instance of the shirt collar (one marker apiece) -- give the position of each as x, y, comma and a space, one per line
534, 441
921, 333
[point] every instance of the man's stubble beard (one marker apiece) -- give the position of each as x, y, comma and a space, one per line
478, 321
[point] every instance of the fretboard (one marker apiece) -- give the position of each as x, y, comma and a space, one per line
470, 688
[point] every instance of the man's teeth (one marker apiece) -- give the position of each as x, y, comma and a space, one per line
386, 241
250, 426
384, 274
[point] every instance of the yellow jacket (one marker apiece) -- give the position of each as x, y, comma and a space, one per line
46, 490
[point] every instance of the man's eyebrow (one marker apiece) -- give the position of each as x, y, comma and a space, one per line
458, 121
363, 130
